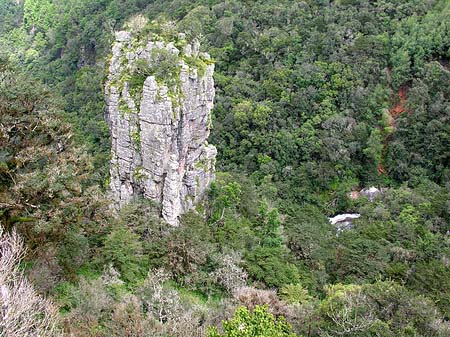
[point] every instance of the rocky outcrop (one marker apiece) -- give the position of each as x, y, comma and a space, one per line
159, 99
371, 193
344, 221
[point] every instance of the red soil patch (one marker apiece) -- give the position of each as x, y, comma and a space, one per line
396, 110
380, 168
399, 107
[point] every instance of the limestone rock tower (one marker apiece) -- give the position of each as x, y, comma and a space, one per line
159, 96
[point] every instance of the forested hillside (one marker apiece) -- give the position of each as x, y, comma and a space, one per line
316, 101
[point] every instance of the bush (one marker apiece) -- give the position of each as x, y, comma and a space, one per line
251, 298
229, 274
259, 323
294, 294
189, 249
381, 309
23, 312
123, 249
142, 216
269, 265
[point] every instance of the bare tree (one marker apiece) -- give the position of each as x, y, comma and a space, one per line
229, 274
23, 312
166, 306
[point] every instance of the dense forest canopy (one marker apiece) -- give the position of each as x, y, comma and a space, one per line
315, 100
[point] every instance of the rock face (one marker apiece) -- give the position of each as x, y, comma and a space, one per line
159, 99
371, 193
344, 221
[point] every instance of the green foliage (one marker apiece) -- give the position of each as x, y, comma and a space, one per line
397, 241
190, 250
196, 62
196, 21
257, 323
402, 67
74, 250
294, 294
225, 196
123, 249
142, 217
38, 14
46, 194
309, 106
269, 226
374, 149
271, 266
352, 310
163, 65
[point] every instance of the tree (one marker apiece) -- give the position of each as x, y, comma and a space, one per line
38, 14
259, 323
23, 312
229, 274
378, 309
269, 226
189, 248
402, 63
227, 196
294, 294
124, 250
374, 148
271, 265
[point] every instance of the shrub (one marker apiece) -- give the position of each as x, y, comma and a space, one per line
251, 298
123, 249
259, 323
294, 294
379, 309
229, 275
22, 311
269, 265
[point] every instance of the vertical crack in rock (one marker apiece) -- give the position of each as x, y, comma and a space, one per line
159, 99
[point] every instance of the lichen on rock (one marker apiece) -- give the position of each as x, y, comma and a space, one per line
159, 99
